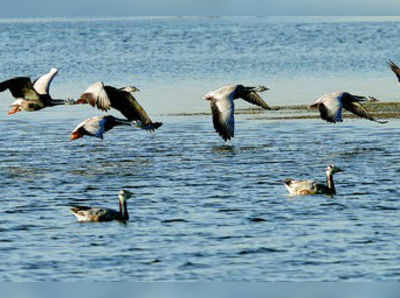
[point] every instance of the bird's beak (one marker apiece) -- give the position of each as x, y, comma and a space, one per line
339, 170
75, 135
314, 105
207, 97
13, 110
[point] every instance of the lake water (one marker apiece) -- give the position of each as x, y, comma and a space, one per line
202, 209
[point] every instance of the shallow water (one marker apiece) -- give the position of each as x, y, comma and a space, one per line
202, 210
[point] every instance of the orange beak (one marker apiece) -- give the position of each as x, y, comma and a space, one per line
13, 109
75, 135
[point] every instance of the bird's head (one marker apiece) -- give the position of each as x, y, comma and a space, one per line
332, 169
130, 89
76, 134
125, 194
14, 109
18, 106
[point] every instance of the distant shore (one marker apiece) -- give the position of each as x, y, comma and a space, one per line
378, 109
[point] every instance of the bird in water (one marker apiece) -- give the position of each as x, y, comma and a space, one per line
98, 125
223, 109
310, 187
32, 96
331, 105
85, 214
121, 99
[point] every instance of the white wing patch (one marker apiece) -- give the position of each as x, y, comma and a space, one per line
92, 125
42, 84
102, 101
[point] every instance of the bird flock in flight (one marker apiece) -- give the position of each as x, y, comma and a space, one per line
34, 96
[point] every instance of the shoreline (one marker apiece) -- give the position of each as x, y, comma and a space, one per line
378, 109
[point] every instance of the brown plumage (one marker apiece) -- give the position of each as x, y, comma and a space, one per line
107, 97
86, 214
31, 96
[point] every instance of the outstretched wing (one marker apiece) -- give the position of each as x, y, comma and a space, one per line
124, 102
358, 109
42, 84
223, 117
96, 95
254, 98
20, 87
395, 69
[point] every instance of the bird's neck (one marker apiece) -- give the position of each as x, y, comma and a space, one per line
329, 181
57, 102
123, 210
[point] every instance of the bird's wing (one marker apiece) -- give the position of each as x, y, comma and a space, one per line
94, 126
20, 87
42, 84
84, 213
395, 69
128, 106
357, 108
96, 95
306, 186
254, 98
223, 117
330, 107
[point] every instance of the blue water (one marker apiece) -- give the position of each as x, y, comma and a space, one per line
202, 210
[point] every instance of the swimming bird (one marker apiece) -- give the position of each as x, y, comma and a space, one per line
222, 106
107, 97
331, 105
310, 187
98, 125
31, 96
85, 214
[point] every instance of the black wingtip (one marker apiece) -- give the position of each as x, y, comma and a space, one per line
152, 126
157, 125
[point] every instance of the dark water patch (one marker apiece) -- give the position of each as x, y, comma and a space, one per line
362, 242
193, 266
229, 210
337, 206
152, 262
174, 220
24, 227
382, 208
257, 219
261, 250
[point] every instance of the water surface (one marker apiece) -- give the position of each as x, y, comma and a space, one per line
202, 209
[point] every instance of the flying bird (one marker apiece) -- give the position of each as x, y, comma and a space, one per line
31, 96
121, 99
98, 125
331, 105
395, 69
310, 187
86, 214
223, 109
